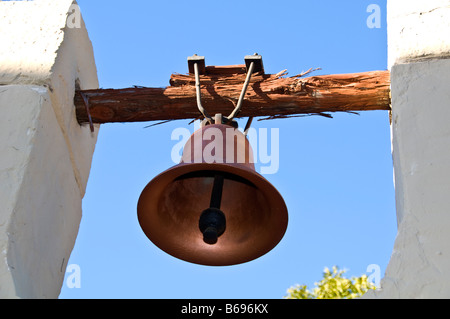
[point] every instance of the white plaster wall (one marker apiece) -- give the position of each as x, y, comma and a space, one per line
38, 48
417, 30
420, 260
32, 32
46, 154
419, 59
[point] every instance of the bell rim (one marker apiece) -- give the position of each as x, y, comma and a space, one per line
249, 174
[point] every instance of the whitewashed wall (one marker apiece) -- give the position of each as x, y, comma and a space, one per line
45, 154
419, 52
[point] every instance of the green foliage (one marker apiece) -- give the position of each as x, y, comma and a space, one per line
333, 286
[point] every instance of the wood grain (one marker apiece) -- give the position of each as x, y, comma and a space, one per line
268, 95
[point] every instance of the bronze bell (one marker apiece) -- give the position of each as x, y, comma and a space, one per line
213, 208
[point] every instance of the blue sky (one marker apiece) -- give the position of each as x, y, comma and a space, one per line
335, 174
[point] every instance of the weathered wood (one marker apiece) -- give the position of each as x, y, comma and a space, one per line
268, 95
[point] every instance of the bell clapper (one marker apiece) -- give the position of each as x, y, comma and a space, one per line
212, 221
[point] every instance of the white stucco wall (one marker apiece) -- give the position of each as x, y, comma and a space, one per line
46, 154
417, 30
419, 60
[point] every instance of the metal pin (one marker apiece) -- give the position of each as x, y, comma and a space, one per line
86, 105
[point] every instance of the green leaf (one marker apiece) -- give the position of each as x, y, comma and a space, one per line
333, 286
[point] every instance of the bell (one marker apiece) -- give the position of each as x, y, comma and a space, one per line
213, 208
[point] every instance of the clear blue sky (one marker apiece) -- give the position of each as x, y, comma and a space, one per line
335, 174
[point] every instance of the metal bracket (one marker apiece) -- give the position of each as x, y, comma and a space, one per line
257, 63
254, 64
200, 60
197, 66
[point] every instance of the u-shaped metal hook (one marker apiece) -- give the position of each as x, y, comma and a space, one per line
253, 63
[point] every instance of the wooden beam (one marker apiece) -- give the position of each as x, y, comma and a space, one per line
268, 95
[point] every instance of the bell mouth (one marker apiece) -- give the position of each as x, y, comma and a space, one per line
171, 205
